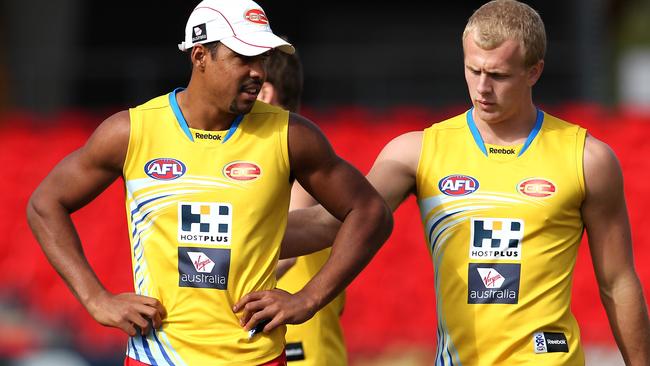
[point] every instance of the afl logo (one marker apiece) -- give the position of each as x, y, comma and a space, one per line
458, 185
242, 171
536, 187
256, 16
165, 168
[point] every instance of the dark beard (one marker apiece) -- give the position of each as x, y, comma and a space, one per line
235, 110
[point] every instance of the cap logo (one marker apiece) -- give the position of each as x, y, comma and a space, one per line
256, 16
199, 33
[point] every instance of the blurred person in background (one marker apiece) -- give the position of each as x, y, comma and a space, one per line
208, 173
505, 192
318, 341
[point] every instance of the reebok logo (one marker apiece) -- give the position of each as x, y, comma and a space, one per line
503, 151
207, 136
547, 342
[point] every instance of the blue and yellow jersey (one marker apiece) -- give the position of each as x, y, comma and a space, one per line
503, 225
318, 341
206, 212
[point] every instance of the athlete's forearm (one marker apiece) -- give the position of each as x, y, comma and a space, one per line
309, 230
361, 235
628, 317
53, 228
283, 266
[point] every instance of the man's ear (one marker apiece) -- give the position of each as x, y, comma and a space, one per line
535, 72
267, 94
198, 55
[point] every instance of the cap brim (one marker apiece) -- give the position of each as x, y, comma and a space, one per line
256, 43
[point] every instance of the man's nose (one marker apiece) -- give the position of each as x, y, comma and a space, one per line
484, 86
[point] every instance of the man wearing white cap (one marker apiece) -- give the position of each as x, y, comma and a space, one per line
207, 172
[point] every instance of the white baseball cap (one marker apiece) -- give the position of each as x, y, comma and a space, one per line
241, 25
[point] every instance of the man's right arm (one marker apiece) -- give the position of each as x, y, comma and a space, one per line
75, 181
392, 175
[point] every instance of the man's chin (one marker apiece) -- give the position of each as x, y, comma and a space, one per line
242, 107
488, 115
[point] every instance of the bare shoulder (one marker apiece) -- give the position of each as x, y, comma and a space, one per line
118, 125
299, 124
308, 146
405, 149
598, 150
602, 170
393, 173
107, 146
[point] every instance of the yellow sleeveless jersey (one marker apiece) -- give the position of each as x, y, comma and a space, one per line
206, 211
319, 341
503, 225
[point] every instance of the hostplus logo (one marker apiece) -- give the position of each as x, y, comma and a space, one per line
492, 283
496, 238
204, 223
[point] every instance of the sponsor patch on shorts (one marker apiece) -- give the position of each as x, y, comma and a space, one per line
294, 351
547, 342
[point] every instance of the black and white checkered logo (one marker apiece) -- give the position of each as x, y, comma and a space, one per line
496, 238
204, 223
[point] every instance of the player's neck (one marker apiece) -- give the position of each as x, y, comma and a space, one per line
202, 115
512, 130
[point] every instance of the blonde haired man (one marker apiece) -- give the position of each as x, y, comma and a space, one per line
505, 192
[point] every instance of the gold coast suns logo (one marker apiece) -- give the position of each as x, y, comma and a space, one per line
256, 16
536, 187
245, 171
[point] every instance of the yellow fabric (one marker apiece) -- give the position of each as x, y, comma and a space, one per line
206, 219
504, 244
321, 337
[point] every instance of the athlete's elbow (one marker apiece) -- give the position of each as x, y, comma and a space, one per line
382, 217
32, 210
39, 207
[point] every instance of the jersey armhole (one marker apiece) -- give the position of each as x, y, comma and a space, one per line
134, 137
418, 175
581, 137
284, 140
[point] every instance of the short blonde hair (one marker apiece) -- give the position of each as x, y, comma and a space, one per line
500, 20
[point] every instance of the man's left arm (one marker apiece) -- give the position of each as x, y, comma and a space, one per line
366, 223
605, 216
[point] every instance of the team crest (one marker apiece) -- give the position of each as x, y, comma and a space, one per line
243, 171
536, 187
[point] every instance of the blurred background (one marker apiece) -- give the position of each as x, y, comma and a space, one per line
371, 70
